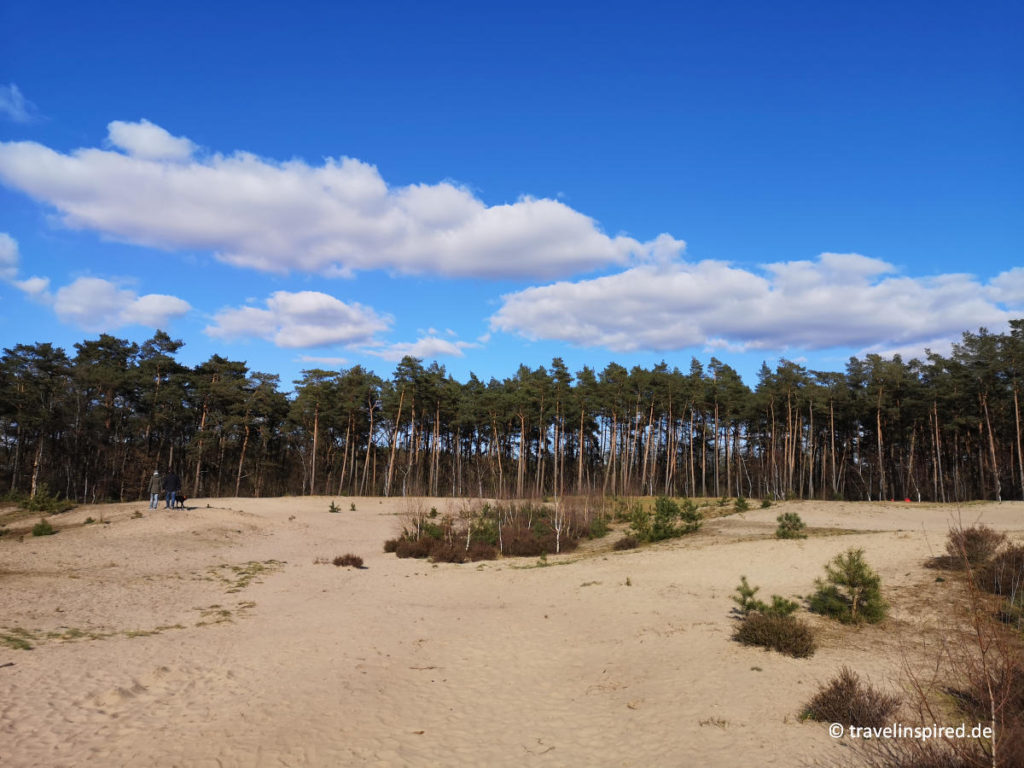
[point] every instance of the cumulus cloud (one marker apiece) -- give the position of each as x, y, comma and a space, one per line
95, 304
35, 287
147, 141
332, 361
9, 257
1008, 288
330, 219
10, 264
14, 106
298, 320
836, 300
426, 347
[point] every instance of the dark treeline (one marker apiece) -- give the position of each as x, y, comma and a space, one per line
94, 426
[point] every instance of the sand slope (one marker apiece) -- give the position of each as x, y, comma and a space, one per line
209, 637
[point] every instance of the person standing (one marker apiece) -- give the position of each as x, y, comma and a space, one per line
171, 485
156, 484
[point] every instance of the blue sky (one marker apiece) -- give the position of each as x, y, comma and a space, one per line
332, 184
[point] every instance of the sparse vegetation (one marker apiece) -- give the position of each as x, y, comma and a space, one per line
765, 503
790, 526
851, 591
238, 577
334, 508
845, 699
17, 638
741, 504
352, 507
487, 531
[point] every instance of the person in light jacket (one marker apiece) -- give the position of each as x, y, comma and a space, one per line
156, 484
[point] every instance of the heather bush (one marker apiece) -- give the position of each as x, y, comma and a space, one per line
973, 546
626, 542
490, 530
782, 633
355, 561
845, 699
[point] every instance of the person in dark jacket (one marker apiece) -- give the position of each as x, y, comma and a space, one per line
171, 485
156, 484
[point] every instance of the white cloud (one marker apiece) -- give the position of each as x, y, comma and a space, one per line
94, 304
427, 347
330, 219
837, 300
14, 106
35, 287
1008, 288
9, 257
332, 361
298, 320
147, 141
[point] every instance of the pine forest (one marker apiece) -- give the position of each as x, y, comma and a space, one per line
94, 426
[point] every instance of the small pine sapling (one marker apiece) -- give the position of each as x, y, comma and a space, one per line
851, 591
790, 526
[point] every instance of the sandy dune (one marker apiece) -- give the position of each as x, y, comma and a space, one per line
210, 637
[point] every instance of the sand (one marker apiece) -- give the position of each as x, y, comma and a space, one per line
211, 637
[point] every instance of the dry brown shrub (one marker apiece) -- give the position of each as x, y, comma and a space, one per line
355, 561
974, 546
845, 699
785, 634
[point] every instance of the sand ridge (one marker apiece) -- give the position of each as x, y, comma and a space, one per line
210, 637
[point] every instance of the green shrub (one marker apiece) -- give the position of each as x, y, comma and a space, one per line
851, 591
352, 507
43, 528
334, 508
747, 603
741, 504
744, 598
846, 700
784, 634
484, 529
668, 521
599, 527
790, 526
44, 501
765, 503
